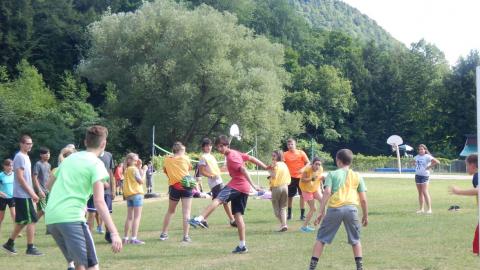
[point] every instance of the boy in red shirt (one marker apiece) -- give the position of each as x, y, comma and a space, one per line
236, 190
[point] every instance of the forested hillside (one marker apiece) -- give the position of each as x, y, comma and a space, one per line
192, 68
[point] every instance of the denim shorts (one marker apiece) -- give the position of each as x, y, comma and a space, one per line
419, 179
135, 200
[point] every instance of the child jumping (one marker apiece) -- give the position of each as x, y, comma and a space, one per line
472, 169
133, 192
177, 167
423, 162
311, 186
279, 181
343, 189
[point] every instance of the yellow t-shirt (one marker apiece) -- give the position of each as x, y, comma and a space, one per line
212, 164
282, 175
130, 185
176, 167
313, 185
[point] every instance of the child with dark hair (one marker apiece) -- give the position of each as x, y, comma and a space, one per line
311, 186
472, 168
6, 190
279, 181
41, 173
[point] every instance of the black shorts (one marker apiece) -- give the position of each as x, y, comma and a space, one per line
293, 188
176, 195
238, 199
91, 205
25, 211
216, 189
4, 202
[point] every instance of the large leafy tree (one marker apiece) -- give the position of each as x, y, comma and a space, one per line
191, 73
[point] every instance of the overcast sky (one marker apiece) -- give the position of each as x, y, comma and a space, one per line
453, 26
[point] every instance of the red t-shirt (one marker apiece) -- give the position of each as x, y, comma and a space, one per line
235, 161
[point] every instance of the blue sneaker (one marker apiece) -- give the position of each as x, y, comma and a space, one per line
194, 223
307, 229
240, 250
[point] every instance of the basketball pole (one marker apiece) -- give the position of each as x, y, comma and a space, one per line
478, 142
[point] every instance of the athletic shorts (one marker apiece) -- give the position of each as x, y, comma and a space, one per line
176, 194
238, 199
216, 189
4, 202
333, 219
42, 203
308, 196
419, 179
135, 200
75, 242
91, 205
25, 211
293, 187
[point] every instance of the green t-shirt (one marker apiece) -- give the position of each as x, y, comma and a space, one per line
73, 186
344, 189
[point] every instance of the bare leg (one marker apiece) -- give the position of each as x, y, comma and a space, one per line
317, 249
311, 211
91, 221
228, 212
357, 250
16, 230
12, 213
426, 196
172, 205
128, 222
186, 208
207, 211
137, 216
30, 233
240, 226
420, 198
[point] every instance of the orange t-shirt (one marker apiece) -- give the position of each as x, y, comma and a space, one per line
295, 161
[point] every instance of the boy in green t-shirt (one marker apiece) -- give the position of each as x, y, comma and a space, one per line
343, 189
77, 177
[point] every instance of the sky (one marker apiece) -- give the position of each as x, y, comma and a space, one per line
452, 25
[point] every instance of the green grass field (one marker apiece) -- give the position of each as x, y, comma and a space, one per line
396, 237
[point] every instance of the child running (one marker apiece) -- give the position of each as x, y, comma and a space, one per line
311, 186
208, 167
423, 163
279, 181
343, 189
237, 189
76, 178
177, 167
6, 190
133, 192
472, 169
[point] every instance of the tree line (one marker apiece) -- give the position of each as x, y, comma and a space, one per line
192, 68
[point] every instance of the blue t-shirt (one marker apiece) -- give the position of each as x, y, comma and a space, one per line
6, 184
475, 180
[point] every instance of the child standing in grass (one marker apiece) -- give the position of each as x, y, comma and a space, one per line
177, 167
423, 163
343, 189
279, 181
133, 192
472, 168
311, 186
6, 190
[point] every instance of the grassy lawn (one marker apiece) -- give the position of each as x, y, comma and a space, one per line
396, 237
